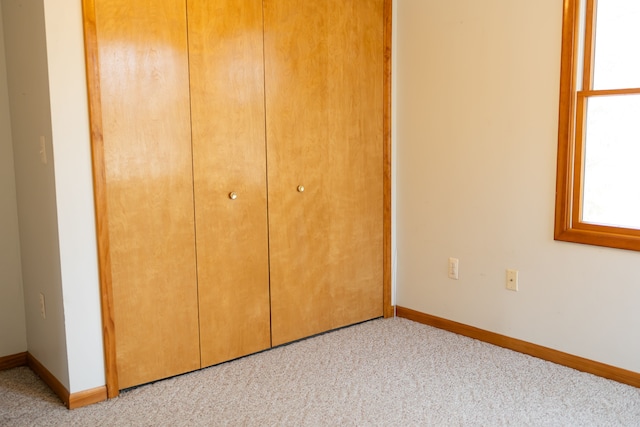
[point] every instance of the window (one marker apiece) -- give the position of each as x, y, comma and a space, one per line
598, 187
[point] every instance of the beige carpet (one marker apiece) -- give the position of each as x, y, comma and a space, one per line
385, 372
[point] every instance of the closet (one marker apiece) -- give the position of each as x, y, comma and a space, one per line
238, 166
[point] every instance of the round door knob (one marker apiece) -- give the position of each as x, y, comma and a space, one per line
233, 195
300, 188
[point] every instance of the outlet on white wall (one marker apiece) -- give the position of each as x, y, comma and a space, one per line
512, 280
453, 268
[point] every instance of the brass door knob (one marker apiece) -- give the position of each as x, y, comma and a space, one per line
233, 195
300, 188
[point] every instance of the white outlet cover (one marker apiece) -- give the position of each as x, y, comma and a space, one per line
453, 268
512, 280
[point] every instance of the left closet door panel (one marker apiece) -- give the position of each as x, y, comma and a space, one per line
144, 78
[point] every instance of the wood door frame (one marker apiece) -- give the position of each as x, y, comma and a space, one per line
100, 196
387, 19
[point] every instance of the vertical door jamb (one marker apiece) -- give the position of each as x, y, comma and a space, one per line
100, 195
387, 16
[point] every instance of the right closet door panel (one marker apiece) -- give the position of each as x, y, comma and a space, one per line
324, 126
227, 115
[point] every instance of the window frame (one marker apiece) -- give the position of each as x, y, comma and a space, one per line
576, 77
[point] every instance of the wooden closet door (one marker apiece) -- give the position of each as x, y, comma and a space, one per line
227, 93
324, 94
144, 88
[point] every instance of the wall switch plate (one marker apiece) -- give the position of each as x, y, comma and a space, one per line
453, 268
512, 280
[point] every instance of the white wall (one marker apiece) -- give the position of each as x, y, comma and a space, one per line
35, 186
13, 333
477, 107
47, 92
74, 193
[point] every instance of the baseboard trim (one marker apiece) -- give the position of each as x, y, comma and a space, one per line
13, 361
87, 397
70, 400
579, 363
48, 378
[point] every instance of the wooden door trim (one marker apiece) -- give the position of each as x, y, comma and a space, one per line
387, 170
100, 194
99, 182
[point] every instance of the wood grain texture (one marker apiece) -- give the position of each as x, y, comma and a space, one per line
87, 397
564, 176
227, 105
13, 361
568, 226
387, 180
146, 129
324, 106
545, 353
607, 92
244, 126
588, 58
100, 195
579, 131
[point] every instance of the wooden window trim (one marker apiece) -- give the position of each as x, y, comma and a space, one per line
574, 90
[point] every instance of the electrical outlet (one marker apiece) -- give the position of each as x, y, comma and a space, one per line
43, 311
512, 280
453, 268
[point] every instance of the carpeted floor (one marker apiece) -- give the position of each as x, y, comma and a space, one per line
390, 372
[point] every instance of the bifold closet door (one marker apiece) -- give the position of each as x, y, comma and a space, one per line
229, 163
144, 88
324, 94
